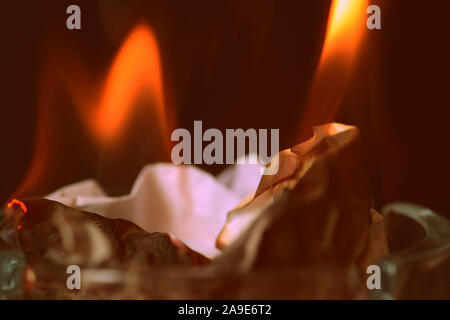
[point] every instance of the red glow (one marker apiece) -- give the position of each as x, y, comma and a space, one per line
18, 203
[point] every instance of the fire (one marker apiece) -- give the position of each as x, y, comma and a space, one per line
345, 30
104, 106
135, 68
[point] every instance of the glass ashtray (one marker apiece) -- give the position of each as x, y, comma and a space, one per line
416, 268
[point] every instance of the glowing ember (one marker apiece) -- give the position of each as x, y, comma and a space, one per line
16, 202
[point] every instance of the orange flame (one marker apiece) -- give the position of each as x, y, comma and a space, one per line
104, 110
136, 67
345, 30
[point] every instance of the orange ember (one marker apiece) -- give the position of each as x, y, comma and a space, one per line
16, 202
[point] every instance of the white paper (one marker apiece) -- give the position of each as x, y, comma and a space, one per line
183, 200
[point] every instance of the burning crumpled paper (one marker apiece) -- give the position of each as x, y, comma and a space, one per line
316, 209
311, 217
184, 201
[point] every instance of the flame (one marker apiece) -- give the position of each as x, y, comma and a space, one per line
103, 106
136, 67
345, 30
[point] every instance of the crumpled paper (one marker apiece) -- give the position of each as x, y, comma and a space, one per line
311, 218
51, 233
184, 201
315, 210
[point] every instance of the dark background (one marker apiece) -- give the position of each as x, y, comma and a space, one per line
236, 64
